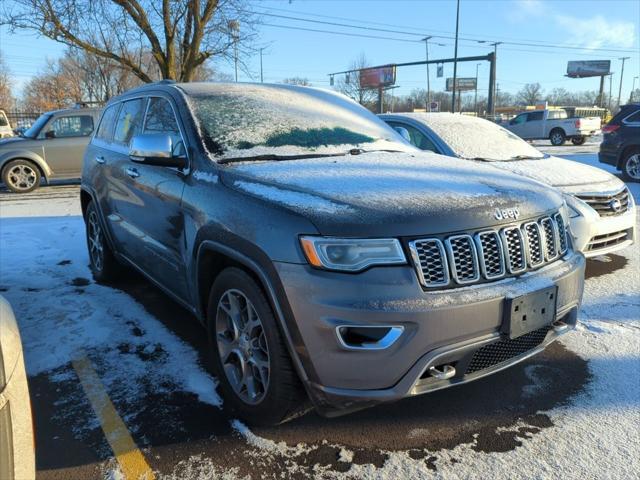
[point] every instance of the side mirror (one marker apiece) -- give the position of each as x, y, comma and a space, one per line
404, 133
50, 134
155, 149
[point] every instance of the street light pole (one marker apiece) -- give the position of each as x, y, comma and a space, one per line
261, 77
621, 75
475, 98
426, 44
455, 60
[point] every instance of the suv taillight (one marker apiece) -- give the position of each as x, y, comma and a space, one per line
610, 128
578, 123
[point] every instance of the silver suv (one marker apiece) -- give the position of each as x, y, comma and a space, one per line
326, 259
51, 148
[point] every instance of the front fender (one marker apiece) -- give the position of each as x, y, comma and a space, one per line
6, 157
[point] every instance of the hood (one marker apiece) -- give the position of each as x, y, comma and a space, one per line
391, 194
7, 141
566, 175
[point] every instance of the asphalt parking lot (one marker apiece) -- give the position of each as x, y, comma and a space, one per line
131, 347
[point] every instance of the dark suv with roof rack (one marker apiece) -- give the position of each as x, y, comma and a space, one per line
326, 259
620, 145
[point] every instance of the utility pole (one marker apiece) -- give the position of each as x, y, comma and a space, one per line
610, 82
426, 44
475, 97
261, 77
455, 60
234, 28
621, 75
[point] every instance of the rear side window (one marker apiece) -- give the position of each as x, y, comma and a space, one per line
534, 116
105, 130
557, 114
633, 118
129, 121
72, 126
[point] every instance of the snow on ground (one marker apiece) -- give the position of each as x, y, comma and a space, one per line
61, 320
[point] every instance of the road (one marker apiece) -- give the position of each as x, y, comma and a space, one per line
147, 357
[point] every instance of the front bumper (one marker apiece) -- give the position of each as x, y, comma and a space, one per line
594, 235
438, 327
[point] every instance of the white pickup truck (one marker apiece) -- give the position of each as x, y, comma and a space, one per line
553, 124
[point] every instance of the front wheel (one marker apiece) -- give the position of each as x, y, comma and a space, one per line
21, 176
631, 166
578, 140
104, 266
557, 137
249, 356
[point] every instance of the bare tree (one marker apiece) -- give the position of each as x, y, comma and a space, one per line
530, 94
7, 100
349, 84
297, 81
179, 35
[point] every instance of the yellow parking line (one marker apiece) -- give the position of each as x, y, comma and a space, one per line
129, 457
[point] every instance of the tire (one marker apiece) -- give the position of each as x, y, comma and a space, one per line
103, 264
270, 393
557, 137
578, 140
631, 165
21, 176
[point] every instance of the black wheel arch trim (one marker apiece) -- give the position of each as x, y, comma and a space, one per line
274, 290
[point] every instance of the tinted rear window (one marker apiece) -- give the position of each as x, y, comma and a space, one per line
625, 111
634, 118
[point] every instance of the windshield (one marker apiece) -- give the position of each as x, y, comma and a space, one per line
475, 138
33, 130
242, 121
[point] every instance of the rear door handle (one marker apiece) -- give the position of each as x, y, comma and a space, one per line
100, 159
132, 172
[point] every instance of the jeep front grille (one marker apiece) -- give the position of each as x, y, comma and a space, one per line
608, 205
488, 254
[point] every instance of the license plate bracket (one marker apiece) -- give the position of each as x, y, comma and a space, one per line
529, 312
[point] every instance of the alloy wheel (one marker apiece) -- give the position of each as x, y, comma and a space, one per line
632, 166
95, 241
242, 346
22, 177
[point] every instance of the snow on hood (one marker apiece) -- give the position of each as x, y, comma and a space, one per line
415, 193
567, 175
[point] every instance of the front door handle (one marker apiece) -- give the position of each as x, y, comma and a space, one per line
100, 159
132, 172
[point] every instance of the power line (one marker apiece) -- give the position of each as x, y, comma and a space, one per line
346, 34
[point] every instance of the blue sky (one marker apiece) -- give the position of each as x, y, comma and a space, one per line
590, 24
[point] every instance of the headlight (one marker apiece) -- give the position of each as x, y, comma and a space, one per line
351, 255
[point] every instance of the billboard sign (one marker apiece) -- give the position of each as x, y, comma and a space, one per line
588, 68
461, 84
378, 77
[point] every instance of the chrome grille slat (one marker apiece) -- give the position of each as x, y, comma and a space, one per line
533, 237
603, 204
463, 259
489, 254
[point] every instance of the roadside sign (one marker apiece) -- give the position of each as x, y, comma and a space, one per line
588, 68
378, 77
461, 84
434, 106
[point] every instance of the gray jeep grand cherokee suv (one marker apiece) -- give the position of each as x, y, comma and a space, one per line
327, 260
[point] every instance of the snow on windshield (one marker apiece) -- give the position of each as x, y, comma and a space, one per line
471, 137
246, 120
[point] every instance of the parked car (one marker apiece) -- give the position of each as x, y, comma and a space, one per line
5, 126
321, 252
51, 148
17, 448
553, 124
601, 208
620, 145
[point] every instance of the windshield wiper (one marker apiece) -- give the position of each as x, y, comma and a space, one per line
277, 158
526, 157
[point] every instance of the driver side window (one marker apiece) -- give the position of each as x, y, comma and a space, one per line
161, 119
72, 126
520, 119
417, 138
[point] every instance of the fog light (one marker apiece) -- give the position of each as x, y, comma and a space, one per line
368, 337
